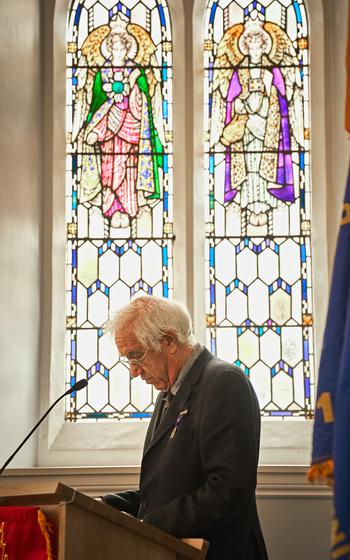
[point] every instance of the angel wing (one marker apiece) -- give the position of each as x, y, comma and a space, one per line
228, 57
91, 58
283, 54
146, 58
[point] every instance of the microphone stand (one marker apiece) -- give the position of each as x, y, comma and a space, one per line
79, 385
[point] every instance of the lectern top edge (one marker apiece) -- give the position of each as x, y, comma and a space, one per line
65, 495
72, 496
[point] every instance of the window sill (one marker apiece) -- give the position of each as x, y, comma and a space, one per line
273, 480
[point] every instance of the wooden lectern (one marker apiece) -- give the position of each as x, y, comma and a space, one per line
87, 529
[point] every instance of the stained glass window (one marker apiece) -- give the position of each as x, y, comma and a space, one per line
119, 190
258, 199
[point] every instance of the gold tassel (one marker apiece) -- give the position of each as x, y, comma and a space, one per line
322, 472
46, 529
2, 543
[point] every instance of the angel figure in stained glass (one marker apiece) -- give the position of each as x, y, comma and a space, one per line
257, 118
118, 120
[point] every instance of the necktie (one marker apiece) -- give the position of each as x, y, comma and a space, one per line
167, 400
164, 405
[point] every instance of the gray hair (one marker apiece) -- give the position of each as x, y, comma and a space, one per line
150, 318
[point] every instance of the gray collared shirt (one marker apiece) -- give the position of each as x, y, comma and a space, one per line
197, 350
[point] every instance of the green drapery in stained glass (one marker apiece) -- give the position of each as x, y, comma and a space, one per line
119, 190
257, 163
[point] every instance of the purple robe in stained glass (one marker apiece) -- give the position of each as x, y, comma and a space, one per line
285, 165
284, 175
234, 91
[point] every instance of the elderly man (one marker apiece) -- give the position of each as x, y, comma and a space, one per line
200, 457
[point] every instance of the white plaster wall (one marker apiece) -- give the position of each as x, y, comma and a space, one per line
284, 520
337, 139
20, 215
296, 527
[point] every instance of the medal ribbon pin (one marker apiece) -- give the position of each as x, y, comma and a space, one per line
178, 422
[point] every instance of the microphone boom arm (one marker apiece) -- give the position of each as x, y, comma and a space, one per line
79, 385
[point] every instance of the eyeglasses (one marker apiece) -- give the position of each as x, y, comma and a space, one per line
133, 362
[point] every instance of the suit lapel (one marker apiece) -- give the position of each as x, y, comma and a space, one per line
178, 403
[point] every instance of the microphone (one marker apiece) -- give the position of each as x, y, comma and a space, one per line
76, 387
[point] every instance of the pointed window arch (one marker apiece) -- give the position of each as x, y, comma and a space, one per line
110, 442
119, 187
258, 199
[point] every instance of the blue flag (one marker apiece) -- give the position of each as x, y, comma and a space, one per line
331, 438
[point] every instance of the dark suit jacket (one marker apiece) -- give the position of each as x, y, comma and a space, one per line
198, 472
